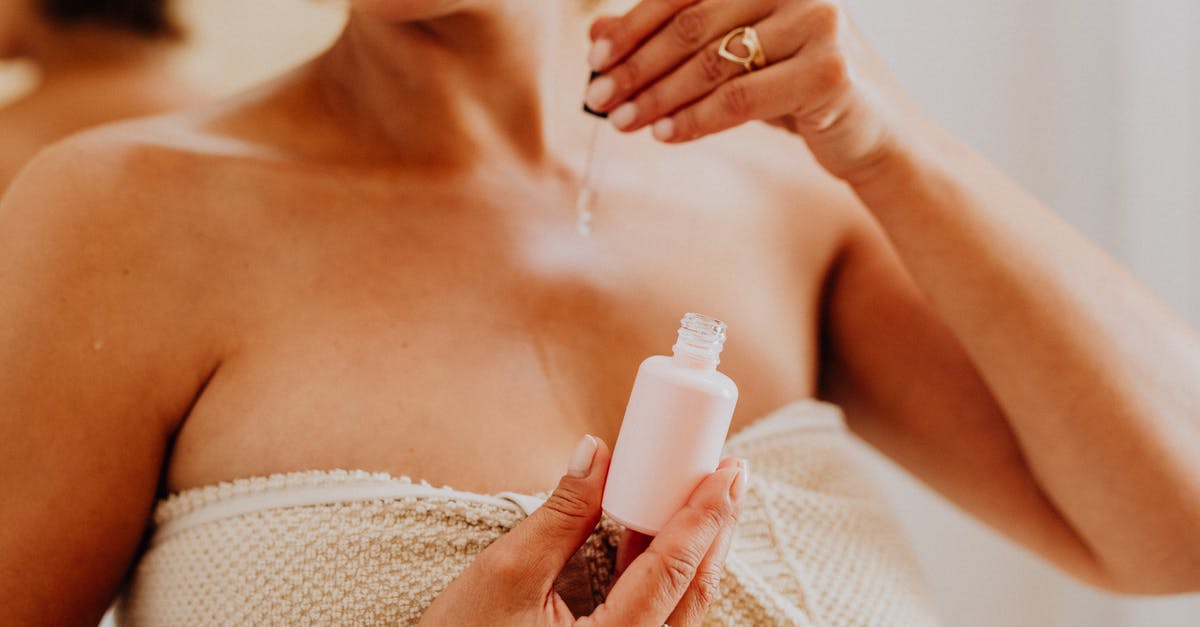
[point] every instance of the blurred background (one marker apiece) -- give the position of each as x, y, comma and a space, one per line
1093, 105
234, 44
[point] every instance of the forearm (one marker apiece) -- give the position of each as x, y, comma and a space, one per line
1099, 380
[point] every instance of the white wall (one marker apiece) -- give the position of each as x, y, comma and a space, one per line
1095, 106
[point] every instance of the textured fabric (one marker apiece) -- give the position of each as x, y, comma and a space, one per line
815, 545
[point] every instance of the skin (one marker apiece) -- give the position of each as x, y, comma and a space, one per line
1069, 377
371, 263
117, 74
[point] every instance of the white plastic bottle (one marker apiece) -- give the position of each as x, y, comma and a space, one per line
674, 429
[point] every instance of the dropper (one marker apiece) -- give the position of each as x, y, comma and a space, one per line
585, 201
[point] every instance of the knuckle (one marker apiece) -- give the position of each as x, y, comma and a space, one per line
708, 585
676, 569
649, 104
737, 101
689, 27
686, 124
709, 516
629, 75
826, 18
717, 515
712, 66
831, 73
567, 505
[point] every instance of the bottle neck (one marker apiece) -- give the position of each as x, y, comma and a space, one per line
701, 339
694, 362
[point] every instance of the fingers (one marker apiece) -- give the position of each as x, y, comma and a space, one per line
694, 28
704, 72
531, 556
615, 38
654, 584
632, 543
707, 584
665, 70
803, 88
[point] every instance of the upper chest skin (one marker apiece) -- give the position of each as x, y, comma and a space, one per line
461, 331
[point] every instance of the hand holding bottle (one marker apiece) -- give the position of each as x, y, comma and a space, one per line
672, 582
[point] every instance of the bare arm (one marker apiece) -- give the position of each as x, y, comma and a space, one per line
975, 336
95, 373
911, 389
1098, 381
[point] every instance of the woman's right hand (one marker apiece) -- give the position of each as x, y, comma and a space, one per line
672, 582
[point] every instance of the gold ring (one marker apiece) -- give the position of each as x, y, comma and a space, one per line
755, 57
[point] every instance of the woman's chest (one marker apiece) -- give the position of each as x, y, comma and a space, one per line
458, 344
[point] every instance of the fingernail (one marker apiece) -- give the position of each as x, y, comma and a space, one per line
624, 116
586, 108
741, 483
580, 465
599, 92
598, 55
664, 129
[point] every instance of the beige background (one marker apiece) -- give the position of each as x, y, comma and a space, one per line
235, 43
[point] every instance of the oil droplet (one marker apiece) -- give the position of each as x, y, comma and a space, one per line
98, 344
583, 211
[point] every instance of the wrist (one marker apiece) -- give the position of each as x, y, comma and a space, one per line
907, 167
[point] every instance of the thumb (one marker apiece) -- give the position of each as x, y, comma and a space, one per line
552, 534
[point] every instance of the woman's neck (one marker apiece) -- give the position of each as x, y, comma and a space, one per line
450, 92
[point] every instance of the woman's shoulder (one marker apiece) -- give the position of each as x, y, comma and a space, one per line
114, 204
150, 165
111, 176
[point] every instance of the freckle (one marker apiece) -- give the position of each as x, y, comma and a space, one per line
98, 344
404, 344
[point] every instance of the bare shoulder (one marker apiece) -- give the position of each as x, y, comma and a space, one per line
131, 188
97, 246
126, 235
104, 308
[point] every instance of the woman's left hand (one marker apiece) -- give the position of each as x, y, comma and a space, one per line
661, 67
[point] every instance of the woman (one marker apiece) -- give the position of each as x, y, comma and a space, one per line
368, 265
98, 62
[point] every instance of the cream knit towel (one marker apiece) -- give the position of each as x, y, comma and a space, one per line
815, 545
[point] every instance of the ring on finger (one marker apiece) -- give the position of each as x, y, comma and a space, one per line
755, 58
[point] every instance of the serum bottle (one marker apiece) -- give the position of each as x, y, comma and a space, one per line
674, 429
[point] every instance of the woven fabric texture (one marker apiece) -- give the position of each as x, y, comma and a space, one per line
816, 546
